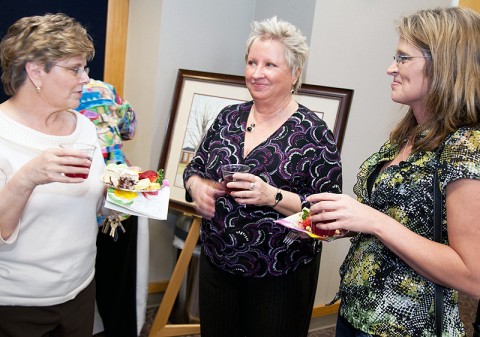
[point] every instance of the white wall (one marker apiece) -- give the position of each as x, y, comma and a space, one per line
298, 12
352, 43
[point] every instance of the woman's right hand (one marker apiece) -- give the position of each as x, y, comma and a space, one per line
333, 211
51, 165
48, 167
204, 192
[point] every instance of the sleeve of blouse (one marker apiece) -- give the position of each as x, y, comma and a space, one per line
5, 172
325, 167
197, 164
461, 156
127, 121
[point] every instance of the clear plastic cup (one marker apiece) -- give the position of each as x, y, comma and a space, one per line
228, 171
84, 148
329, 234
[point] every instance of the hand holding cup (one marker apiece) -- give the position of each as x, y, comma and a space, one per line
86, 149
327, 234
228, 171
318, 204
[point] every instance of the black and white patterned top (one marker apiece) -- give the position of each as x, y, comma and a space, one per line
300, 157
380, 294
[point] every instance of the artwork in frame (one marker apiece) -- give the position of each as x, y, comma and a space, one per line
199, 97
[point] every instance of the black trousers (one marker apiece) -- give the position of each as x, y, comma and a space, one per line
476, 323
73, 318
237, 306
116, 278
345, 329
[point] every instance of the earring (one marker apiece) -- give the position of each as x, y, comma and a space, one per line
293, 91
38, 89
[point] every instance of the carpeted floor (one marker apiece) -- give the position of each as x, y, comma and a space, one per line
468, 309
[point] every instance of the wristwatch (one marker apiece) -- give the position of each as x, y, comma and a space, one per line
278, 197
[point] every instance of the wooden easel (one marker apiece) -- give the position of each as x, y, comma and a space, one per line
160, 326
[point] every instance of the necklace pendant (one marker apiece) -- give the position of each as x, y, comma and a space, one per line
251, 127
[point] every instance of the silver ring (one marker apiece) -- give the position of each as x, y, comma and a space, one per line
252, 186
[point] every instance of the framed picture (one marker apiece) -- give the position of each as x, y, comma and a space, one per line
199, 97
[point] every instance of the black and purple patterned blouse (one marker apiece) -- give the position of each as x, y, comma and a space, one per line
300, 157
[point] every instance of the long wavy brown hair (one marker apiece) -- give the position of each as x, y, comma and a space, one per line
452, 37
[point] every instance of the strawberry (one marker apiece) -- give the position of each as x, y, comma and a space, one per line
306, 223
305, 218
150, 174
155, 177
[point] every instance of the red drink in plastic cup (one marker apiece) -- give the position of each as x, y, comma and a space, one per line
323, 232
87, 149
78, 175
228, 171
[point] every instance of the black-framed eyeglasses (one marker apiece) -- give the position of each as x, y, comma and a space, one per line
401, 59
78, 71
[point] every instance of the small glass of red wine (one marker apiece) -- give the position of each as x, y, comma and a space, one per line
327, 234
228, 171
84, 148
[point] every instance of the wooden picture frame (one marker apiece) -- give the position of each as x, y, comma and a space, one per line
199, 97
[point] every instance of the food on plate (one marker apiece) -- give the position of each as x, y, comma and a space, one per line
305, 219
122, 177
302, 221
142, 184
150, 174
147, 185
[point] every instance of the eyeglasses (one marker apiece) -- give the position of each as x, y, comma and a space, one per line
77, 70
401, 59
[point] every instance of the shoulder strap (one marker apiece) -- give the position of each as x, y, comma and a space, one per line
437, 236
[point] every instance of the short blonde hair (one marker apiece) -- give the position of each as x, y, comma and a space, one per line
44, 39
296, 47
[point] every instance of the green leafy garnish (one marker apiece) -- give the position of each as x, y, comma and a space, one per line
305, 213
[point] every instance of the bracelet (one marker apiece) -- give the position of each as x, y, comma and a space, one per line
189, 189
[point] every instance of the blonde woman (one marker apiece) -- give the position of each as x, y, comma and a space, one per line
389, 275
252, 281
